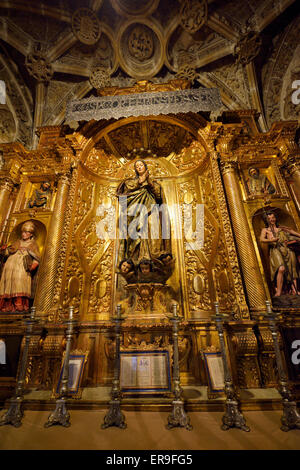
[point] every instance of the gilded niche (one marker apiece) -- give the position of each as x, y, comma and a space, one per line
145, 259
208, 274
89, 271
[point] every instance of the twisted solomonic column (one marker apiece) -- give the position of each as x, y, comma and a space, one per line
6, 187
250, 268
48, 268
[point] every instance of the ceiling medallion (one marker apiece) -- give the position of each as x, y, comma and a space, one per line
140, 43
193, 15
38, 66
86, 26
99, 78
247, 48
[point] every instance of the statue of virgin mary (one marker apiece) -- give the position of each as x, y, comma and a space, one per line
144, 223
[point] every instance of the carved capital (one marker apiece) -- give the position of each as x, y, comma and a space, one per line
64, 178
225, 144
228, 166
291, 164
7, 184
210, 134
288, 145
227, 139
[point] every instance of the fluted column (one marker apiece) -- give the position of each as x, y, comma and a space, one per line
6, 187
48, 268
292, 169
250, 268
290, 158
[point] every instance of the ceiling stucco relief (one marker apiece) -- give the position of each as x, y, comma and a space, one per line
134, 7
65, 92
166, 13
18, 100
41, 29
277, 70
184, 48
81, 59
141, 48
150, 40
7, 125
57, 94
231, 78
289, 110
86, 26
193, 15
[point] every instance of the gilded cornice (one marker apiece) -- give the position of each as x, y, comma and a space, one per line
56, 154
235, 143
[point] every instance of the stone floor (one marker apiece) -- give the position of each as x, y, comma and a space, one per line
146, 431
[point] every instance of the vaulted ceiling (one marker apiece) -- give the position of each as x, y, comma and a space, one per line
56, 50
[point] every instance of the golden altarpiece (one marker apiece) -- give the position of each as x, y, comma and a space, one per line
196, 162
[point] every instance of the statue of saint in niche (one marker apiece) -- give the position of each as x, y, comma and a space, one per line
41, 196
19, 272
284, 268
258, 183
147, 226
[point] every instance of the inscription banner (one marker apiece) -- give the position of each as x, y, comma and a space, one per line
144, 104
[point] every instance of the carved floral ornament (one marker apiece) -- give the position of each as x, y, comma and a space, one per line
100, 78
86, 26
39, 67
187, 72
247, 48
193, 15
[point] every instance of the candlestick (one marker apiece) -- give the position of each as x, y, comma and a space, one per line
15, 413
114, 416
290, 418
178, 417
61, 415
233, 418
